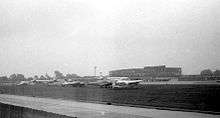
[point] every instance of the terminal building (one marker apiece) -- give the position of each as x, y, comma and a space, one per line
148, 72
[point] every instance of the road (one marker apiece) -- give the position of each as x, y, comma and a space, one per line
92, 110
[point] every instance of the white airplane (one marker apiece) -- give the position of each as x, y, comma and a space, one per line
129, 81
124, 80
117, 78
24, 83
125, 83
73, 84
44, 81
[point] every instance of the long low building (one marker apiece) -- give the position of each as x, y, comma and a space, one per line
148, 71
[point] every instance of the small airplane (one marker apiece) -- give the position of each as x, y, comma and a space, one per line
32, 82
24, 83
73, 84
44, 81
126, 83
129, 81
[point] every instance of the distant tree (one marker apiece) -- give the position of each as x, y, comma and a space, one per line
13, 76
17, 77
206, 72
3, 78
58, 75
30, 78
70, 76
35, 77
20, 77
42, 77
48, 77
216, 73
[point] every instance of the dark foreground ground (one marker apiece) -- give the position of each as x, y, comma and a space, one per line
192, 97
86, 110
11, 111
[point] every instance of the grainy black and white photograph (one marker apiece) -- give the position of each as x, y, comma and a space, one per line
109, 58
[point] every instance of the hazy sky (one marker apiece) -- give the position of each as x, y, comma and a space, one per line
73, 36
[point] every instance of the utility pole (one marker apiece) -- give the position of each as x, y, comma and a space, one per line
95, 70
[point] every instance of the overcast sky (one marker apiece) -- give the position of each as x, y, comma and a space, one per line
73, 36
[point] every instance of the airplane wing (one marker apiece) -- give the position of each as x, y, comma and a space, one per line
129, 81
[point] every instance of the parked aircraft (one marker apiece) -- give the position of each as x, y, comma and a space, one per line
44, 81
24, 83
128, 81
73, 84
33, 82
116, 83
125, 83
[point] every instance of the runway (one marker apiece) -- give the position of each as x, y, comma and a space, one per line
92, 110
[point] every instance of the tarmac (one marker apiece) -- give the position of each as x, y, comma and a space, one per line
183, 82
93, 110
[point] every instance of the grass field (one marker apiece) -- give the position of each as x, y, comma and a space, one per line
192, 97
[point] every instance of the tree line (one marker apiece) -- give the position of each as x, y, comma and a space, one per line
21, 77
208, 72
